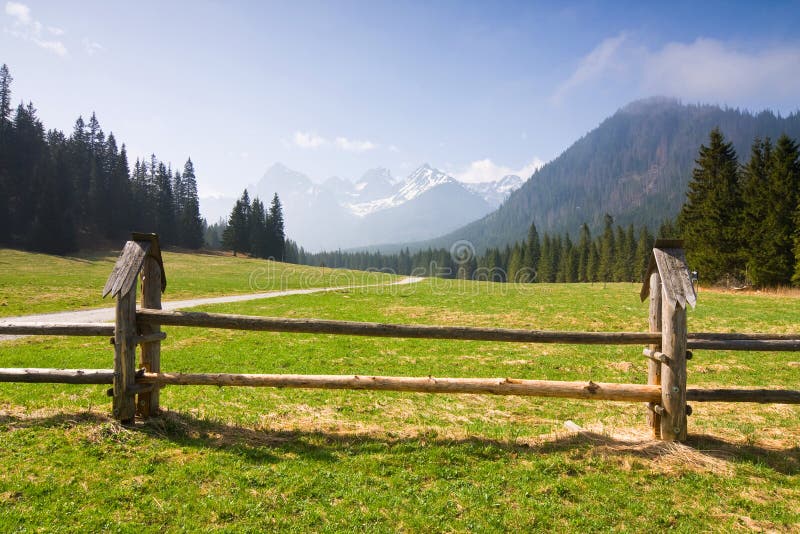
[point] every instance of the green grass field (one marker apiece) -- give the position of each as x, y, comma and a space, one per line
38, 283
261, 459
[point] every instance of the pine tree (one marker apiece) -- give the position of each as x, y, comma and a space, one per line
533, 252
515, 265
593, 265
237, 234
259, 238
276, 230
27, 153
756, 197
774, 246
5, 142
607, 252
643, 247
5, 101
165, 205
52, 228
119, 192
709, 218
584, 250
191, 222
629, 253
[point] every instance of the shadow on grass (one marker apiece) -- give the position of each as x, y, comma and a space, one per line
705, 452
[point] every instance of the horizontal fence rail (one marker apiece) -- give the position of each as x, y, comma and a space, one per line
57, 376
350, 328
56, 329
696, 340
778, 396
493, 386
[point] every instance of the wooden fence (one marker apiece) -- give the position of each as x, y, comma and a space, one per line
135, 389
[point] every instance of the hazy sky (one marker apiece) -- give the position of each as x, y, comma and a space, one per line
335, 88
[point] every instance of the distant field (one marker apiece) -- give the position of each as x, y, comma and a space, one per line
39, 283
238, 459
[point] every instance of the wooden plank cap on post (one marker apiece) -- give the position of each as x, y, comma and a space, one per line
669, 259
130, 262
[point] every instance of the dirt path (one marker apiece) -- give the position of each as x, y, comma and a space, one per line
106, 315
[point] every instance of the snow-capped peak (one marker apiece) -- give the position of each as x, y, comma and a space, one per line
421, 180
418, 182
497, 191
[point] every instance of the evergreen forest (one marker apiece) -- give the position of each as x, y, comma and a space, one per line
59, 193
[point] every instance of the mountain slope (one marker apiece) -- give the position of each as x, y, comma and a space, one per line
375, 209
635, 166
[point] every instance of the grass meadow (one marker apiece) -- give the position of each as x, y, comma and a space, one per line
264, 459
39, 283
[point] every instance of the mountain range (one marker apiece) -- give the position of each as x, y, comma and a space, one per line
377, 208
635, 166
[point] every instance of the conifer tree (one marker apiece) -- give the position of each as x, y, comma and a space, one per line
277, 234
237, 233
593, 265
629, 251
709, 220
756, 203
259, 238
606, 250
584, 250
191, 222
5, 101
774, 242
533, 251
515, 265
643, 247
5, 145
165, 205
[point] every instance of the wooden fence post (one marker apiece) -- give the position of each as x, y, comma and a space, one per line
124, 404
670, 288
142, 252
653, 366
673, 371
148, 403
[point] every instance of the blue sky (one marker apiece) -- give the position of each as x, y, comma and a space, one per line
335, 88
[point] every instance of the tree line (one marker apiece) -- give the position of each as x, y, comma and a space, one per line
617, 255
259, 231
59, 193
742, 222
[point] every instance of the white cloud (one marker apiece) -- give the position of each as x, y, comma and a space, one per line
29, 29
21, 12
313, 140
485, 170
596, 63
705, 69
308, 140
351, 145
91, 47
711, 69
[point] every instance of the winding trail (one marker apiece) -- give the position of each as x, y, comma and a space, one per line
106, 315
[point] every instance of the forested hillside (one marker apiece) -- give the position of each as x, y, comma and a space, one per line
59, 193
635, 166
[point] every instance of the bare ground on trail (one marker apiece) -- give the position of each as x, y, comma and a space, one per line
106, 315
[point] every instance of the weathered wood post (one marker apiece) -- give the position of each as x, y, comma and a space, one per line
124, 406
671, 295
122, 284
654, 366
150, 333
